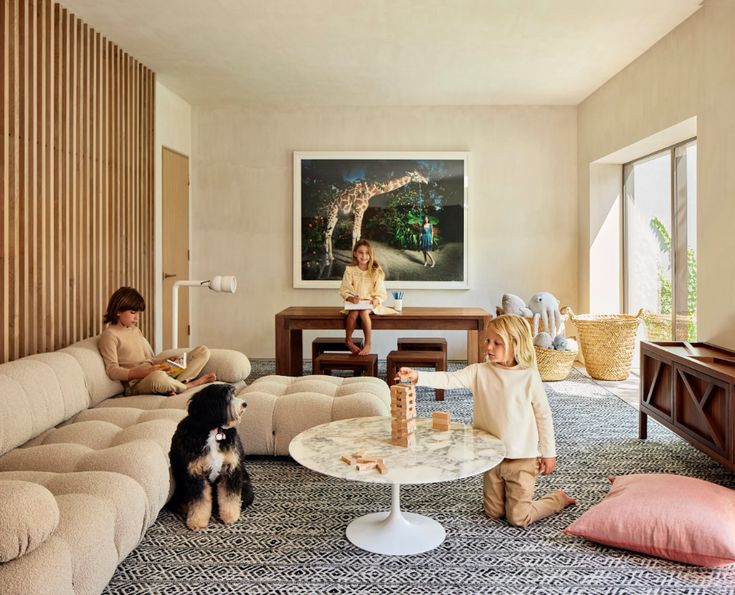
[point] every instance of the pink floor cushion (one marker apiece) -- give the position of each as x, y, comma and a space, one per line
669, 516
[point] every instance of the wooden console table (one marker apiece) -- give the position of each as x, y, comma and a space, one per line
690, 389
291, 322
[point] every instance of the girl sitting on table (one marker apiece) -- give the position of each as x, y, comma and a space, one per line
363, 280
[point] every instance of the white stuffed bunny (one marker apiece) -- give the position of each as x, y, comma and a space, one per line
546, 307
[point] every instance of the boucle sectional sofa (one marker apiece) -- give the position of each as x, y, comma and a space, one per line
82, 474
84, 471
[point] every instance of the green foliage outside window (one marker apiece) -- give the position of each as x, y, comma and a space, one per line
665, 299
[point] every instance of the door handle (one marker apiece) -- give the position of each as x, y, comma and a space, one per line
167, 275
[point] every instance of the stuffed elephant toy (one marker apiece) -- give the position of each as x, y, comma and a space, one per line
546, 308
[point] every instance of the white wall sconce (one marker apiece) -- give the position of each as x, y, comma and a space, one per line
219, 283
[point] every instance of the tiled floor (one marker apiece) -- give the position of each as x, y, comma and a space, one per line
628, 389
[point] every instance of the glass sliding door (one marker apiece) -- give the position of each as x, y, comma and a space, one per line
660, 241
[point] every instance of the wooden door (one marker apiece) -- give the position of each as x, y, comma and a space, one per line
175, 229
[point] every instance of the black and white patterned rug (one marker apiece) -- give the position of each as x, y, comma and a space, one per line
293, 540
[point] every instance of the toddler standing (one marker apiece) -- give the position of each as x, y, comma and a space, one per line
510, 403
363, 279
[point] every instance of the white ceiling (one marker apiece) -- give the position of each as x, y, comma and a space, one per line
297, 53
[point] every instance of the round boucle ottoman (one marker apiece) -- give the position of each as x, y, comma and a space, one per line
280, 407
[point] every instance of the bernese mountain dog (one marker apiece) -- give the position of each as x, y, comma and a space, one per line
207, 459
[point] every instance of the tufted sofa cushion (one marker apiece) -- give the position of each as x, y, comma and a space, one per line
142, 460
101, 518
280, 407
99, 384
38, 392
28, 515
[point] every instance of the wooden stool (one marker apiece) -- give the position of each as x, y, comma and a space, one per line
416, 359
422, 344
323, 344
361, 365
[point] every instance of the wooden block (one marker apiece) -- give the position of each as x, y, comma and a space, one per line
441, 416
402, 391
367, 459
440, 420
358, 454
381, 467
404, 425
365, 466
405, 441
346, 459
403, 412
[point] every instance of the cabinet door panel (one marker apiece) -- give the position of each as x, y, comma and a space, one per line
656, 383
702, 408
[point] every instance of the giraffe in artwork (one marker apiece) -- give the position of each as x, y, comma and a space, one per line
355, 199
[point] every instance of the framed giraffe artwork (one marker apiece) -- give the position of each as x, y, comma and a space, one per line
410, 206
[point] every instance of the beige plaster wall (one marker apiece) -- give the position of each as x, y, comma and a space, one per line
689, 73
522, 206
172, 130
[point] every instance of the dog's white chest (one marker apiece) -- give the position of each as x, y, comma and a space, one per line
215, 457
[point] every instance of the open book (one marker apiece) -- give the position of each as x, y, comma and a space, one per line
176, 365
361, 305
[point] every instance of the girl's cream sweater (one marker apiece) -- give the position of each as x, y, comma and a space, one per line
509, 403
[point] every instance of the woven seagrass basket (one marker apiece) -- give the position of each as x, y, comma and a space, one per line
607, 342
554, 364
658, 327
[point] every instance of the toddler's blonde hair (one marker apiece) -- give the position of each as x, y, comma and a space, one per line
515, 330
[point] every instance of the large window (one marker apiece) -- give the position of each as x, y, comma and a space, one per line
660, 245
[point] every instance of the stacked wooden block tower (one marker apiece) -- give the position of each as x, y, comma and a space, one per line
403, 414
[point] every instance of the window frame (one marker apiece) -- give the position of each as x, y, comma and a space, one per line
678, 255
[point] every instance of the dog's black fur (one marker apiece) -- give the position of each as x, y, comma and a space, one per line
206, 437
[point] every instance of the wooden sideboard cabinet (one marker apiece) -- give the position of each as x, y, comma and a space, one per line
690, 389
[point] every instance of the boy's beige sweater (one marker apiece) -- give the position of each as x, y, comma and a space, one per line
123, 349
509, 403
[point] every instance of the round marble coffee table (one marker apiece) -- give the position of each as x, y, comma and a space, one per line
437, 456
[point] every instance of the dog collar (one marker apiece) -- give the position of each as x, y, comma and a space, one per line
220, 435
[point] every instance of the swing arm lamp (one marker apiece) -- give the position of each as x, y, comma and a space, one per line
219, 284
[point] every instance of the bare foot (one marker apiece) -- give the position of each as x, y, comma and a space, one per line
365, 350
567, 499
354, 349
206, 379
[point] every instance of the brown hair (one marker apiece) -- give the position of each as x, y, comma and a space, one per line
373, 266
125, 298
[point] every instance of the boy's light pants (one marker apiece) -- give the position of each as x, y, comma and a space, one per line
159, 382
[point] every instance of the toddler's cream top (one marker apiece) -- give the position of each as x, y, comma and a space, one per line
509, 403
360, 283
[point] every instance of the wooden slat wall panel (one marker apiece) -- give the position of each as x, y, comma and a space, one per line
76, 151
